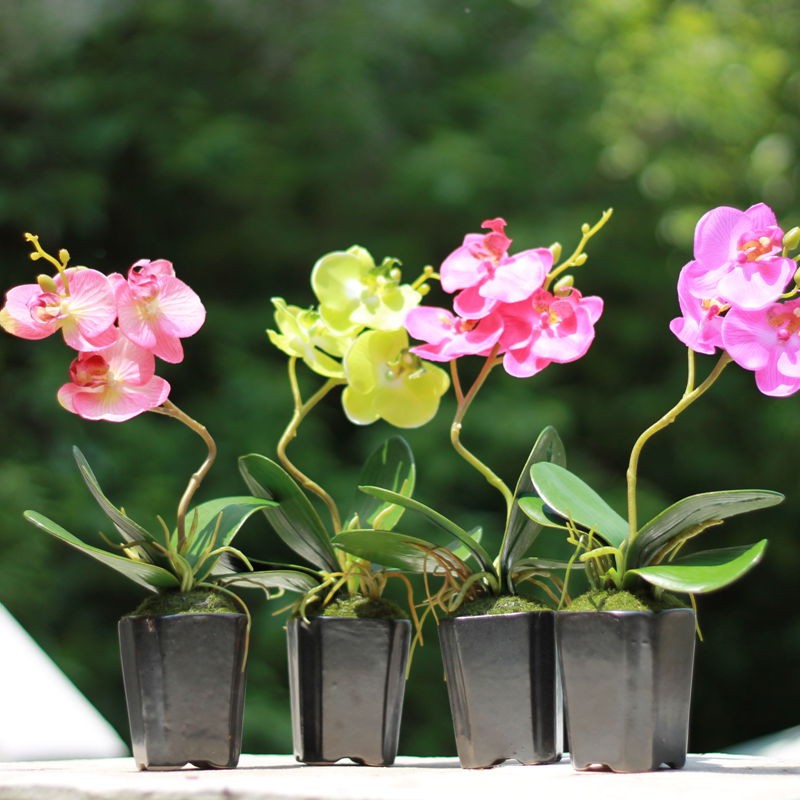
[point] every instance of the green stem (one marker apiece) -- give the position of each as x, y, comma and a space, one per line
689, 396
464, 402
301, 411
169, 409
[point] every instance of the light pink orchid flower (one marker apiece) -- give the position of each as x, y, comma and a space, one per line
549, 329
737, 257
113, 384
156, 309
700, 327
83, 309
449, 337
484, 274
767, 342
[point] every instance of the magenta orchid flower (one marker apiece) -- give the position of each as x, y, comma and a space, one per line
449, 337
114, 384
555, 328
484, 274
767, 342
156, 309
738, 257
80, 304
700, 326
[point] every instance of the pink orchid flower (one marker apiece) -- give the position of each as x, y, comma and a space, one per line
738, 257
449, 337
114, 384
483, 273
767, 342
700, 327
550, 328
82, 308
156, 309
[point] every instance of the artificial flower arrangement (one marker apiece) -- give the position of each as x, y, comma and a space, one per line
735, 296
352, 338
117, 327
521, 311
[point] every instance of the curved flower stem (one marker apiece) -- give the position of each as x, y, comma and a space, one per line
689, 396
169, 409
578, 257
464, 402
301, 410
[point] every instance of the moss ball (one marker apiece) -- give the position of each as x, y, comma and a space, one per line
360, 606
505, 604
198, 601
612, 600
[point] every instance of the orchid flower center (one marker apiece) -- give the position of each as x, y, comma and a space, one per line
47, 307
89, 371
762, 245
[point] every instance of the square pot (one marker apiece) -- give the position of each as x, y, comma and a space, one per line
627, 678
347, 678
184, 680
504, 687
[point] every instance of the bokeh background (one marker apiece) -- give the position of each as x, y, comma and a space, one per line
244, 138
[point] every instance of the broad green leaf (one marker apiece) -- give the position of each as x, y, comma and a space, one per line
461, 551
289, 579
215, 524
475, 548
703, 572
150, 576
695, 512
540, 513
390, 466
294, 518
390, 549
546, 564
521, 529
129, 530
572, 499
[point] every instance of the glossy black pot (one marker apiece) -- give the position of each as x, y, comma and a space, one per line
184, 685
627, 678
504, 688
347, 679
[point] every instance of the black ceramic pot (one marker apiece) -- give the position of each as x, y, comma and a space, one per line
627, 678
184, 685
347, 678
504, 689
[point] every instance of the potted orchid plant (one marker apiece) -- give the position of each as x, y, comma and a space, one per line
521, 311
189, 639
344, 705
628, 705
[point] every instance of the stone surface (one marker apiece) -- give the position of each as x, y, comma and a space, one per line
282, 778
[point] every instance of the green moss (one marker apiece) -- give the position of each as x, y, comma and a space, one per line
506, 604
360, 606
607, 600
199, 601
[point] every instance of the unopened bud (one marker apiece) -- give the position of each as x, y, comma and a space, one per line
555, 249
791, 239
63, 255
580, 259
46, 283
395, 274
797, 278
564, 286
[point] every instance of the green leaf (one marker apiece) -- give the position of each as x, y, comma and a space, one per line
390, 549
294, 518
215, 524
289, 579
695, 512
546, 564
521, 529
703, 572
129, 530
475, 548
390, 466
541, 513
150, 576
572, 499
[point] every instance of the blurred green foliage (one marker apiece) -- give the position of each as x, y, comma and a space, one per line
244, 138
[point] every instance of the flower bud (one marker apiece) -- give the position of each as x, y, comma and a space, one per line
563, 286
63, 255
791, 239
46, 283
580, 259
555, 249
797, 278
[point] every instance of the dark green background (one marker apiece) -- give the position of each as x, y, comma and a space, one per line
243, 139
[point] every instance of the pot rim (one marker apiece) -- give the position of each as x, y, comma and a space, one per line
497, 616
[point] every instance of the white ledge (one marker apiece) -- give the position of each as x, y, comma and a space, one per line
734, 777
